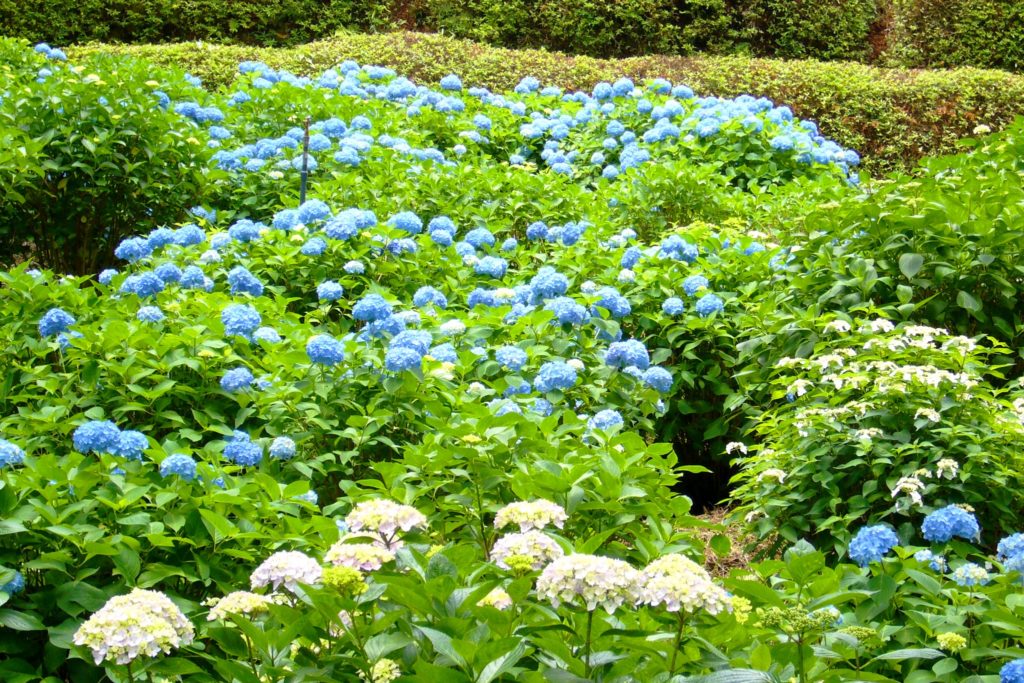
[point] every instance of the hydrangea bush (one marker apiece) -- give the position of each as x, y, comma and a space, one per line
418, 424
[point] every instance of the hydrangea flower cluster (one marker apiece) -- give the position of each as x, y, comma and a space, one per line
680, 584
366, 557
128, 626
949, 522
533, 548
10, 454
288, 569
589, 581
384, 518
238, 602
872, 543
531, 515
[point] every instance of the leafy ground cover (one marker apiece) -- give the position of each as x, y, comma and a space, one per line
432, 421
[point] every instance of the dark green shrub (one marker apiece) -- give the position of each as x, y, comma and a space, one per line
803, 29
985, 33
89, 155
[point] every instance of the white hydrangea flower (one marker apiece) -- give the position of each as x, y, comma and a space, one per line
772, 473
928, 413
534, 545
210, 256
576, 364
680, 584
453, 327
947, 468
528, 515
288, 569
497, 598
140, 623
626, 275
238, 602
910, 486
590, 581
366, 557
837, 325
385, 518
735, 446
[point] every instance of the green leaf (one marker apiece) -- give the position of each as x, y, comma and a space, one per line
502, 664
20, 621
968, 302
910, 264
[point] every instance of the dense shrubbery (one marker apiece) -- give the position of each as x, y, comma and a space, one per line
430, 423
893, 118
907, 33
88, 160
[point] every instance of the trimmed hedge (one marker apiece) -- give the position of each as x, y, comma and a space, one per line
949, 32
893, 117
781, 28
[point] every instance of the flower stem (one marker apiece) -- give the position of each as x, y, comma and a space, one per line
586, 645
252, 660
131, 677
679, 643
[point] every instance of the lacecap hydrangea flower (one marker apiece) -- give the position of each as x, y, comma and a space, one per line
872, 543
141, 623
945, 523
288, 569
533, 547
680, 584
530, 515
589, 581
970, 574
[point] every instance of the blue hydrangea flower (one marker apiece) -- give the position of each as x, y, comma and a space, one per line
179, 464
672, 306
10, 455
314, 210
626, 353
567, 311
244, 282
150, 314
942, 525
658, 378
604, 420
194, 278
54, 321
542, 406
371, 307
131, 444
144, 285
491, 266
612, 301
96, 436
106, 276
694, 284
1012, 672
548, 283
631, 257
398, 359
970, 574
240, 319
444, 353
314, 247
15, 585
168, 272
709, 304
1010, 547
936, 562
872, 543
236, 379
354, 268
555, 375
281, 448
512, 357
133, 248
325, 350
510, 244
329, 290
451, 82
242, 451
407, 221
480, 238
428, 295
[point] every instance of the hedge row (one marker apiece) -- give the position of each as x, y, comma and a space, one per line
984, 33
893, 117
